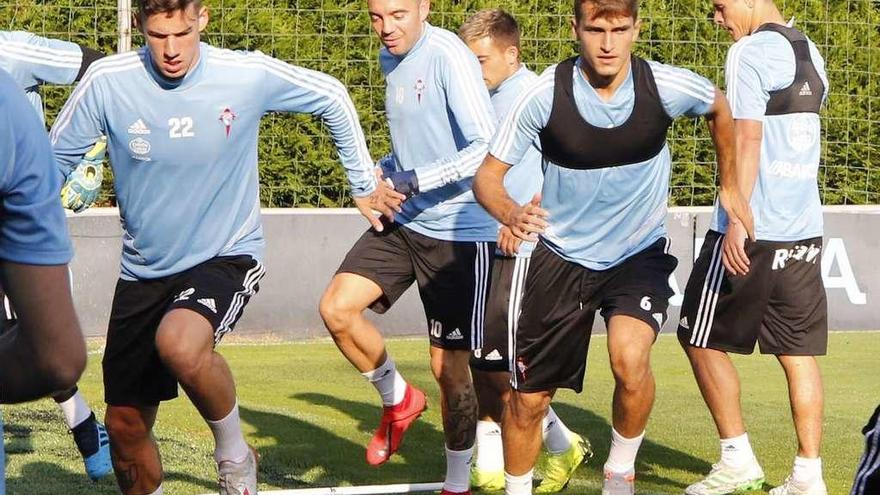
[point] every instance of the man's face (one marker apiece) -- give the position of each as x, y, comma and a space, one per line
398, 22
173, 39
733, 15
605, 42
496, 61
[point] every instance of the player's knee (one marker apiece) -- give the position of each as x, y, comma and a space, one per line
528, 408
451, 369
125, 427
183, 355
337, 315
630, 368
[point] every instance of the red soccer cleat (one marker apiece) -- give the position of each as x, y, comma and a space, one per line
395, 420
447, 492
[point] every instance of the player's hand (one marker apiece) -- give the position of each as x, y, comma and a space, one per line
383, 200
84, 184
528, 220
733, 253
507, 242
737, 209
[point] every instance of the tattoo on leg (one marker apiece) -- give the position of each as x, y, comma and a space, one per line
461, 418
127, 477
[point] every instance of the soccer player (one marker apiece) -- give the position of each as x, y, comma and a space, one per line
494, 37
772, 291
45, 351
441, 121
32, 61
868, 472
601, 119
182, 119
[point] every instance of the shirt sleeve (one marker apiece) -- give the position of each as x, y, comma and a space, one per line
469, 104
37, 60
524, 122
683, 92
79, 125
33, 228
745, 89
296, 89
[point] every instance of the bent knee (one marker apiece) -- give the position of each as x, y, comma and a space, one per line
126, 426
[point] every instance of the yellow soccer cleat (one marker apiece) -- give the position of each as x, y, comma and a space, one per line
558, 468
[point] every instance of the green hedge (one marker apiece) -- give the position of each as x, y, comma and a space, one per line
298, 164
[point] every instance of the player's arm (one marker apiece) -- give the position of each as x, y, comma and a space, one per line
470, 106
79, 145
48, 60
295, 89
45, 352
515, 135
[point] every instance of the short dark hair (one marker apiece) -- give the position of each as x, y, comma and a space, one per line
607, 8
146, 8
494, 23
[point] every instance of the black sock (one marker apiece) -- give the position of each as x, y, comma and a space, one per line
85, 435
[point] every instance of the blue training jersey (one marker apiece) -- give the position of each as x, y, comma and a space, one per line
32, 60
785, 201
33, 229
441, 122
601, 217
184, 152
523, 181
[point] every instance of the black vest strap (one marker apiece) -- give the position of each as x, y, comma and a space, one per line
804, 95
571, 142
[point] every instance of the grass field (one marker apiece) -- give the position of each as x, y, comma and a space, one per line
309, 415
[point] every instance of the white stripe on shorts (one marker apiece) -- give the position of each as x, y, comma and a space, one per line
251, 278
481, 281
708, 298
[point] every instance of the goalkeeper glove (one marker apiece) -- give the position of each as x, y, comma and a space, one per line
84, 183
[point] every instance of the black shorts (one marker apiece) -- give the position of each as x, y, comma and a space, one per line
867, 480
560, 303
502, 314
217, 289
780, 303
453, 279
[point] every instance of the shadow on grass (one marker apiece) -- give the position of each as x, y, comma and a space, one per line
651, 454
311, 455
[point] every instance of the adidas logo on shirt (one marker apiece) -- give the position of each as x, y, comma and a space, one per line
454, 335
138, 128
494, 356
805, 90
208, 303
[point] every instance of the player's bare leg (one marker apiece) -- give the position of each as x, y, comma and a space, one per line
342, 308
719, 383
134, 451
185, 342
629, 349
458, 404
521, 433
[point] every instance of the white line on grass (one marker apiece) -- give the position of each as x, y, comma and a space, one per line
362, 490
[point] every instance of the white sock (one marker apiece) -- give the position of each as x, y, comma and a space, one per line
557, 437
388, 382
490, 452
158, 491
518, 485
229, 444
458, 470
75, 410
736, 452
622, 456
806, 470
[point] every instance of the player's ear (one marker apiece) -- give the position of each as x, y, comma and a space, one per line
574, 27
511, 55
203, 18
136, 22
637, 27
424, 9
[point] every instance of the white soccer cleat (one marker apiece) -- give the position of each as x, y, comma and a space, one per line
724, 479
619, 483
239, 478
792, 487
